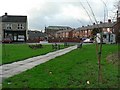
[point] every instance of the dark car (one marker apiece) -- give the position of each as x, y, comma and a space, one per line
7, 40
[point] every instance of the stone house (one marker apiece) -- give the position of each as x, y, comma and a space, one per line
14, 27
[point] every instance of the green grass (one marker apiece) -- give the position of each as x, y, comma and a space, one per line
71, 70
16, 52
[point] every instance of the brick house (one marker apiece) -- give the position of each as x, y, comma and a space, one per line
51, 30
13, 27
36, 36
86, 31
117, 25
64, 34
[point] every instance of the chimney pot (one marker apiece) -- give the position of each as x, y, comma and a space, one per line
109, 20
100, 22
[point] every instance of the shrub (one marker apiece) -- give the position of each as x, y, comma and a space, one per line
36, 46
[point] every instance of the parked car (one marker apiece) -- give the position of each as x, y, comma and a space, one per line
20, 39
7, 40
88, 40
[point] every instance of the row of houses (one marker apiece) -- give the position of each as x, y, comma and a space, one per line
16, 28
81, 32
60, 32
65, 32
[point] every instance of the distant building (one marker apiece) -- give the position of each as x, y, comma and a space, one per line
86, 31
13, 27
36, 36
51, 30
64, 34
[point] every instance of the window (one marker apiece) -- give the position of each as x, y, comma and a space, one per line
9, 26
20, 26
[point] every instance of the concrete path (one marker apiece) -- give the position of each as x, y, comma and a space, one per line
9, 70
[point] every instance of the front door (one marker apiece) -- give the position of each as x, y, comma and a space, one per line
14, 37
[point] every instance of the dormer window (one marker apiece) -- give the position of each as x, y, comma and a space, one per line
9, 26
20, 26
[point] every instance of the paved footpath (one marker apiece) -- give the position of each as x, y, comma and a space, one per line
9, 70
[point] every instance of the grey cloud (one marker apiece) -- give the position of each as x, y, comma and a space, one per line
51, 14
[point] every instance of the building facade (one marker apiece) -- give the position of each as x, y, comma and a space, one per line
117, 25
51, 30
64, 34
86, 31
13, 27
36, 36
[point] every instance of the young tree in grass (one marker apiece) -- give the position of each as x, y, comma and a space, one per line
98, 50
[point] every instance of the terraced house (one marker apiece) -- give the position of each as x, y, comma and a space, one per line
13, 27
86, 31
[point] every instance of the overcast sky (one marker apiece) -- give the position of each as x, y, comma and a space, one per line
71, 13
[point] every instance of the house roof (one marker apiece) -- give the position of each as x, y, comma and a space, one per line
33, 34
58, 27
102, 25
63, 31
14, 18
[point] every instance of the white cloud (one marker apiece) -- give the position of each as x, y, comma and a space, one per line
55, 12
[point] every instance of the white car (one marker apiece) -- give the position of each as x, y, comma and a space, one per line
21, 39
87, 41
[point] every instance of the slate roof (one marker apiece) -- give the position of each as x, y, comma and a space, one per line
14, 18
58, 27
33, 34
64, 31
102, 25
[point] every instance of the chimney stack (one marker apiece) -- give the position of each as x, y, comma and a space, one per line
5, 14
109, 20
93, 23
101, 22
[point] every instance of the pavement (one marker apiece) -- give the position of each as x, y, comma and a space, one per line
9, 70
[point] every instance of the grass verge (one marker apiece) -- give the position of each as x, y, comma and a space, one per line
71, 70
16, 52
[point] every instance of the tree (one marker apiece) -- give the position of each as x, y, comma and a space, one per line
95, 31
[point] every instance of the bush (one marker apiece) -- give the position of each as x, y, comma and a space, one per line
37, 46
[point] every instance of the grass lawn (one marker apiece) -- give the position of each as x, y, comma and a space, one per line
71, 70
16, 52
